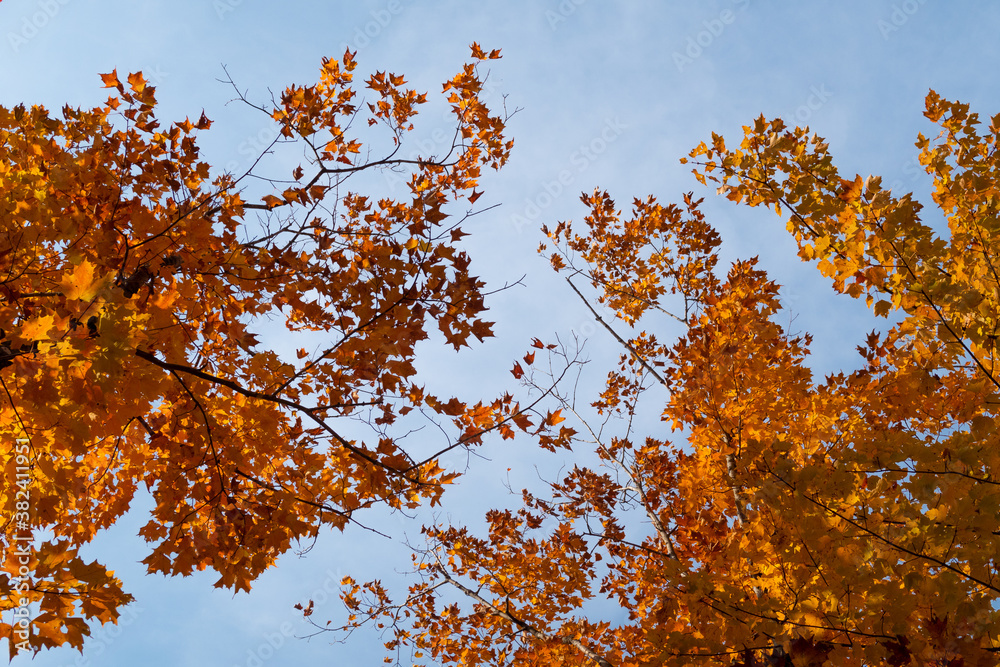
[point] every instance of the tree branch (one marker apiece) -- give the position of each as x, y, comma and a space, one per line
621, 340
526, 627
309, 412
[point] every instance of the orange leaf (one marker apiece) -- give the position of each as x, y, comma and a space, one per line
37, 328
136, 82
81, 285
554, 418
111, 79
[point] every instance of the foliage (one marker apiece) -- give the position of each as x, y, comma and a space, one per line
791, 520
132, 280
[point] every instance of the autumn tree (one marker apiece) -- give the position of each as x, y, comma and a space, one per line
133, 280
790, 519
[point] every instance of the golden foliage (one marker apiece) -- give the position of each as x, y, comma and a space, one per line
131, 280
849, 520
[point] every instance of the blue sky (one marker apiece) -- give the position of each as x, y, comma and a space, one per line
613, 94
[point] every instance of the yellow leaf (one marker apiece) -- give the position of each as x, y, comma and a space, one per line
82, 285
37, 328
136, 81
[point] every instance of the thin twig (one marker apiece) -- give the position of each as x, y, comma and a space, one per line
621, 340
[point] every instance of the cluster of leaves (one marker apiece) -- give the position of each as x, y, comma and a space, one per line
131, 280
796, 521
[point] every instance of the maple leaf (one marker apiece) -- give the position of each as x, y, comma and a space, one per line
136, 82
82, 284
111, 79
37, 328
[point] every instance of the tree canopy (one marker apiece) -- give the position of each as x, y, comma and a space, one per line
132, 282
785, 520
789, 519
